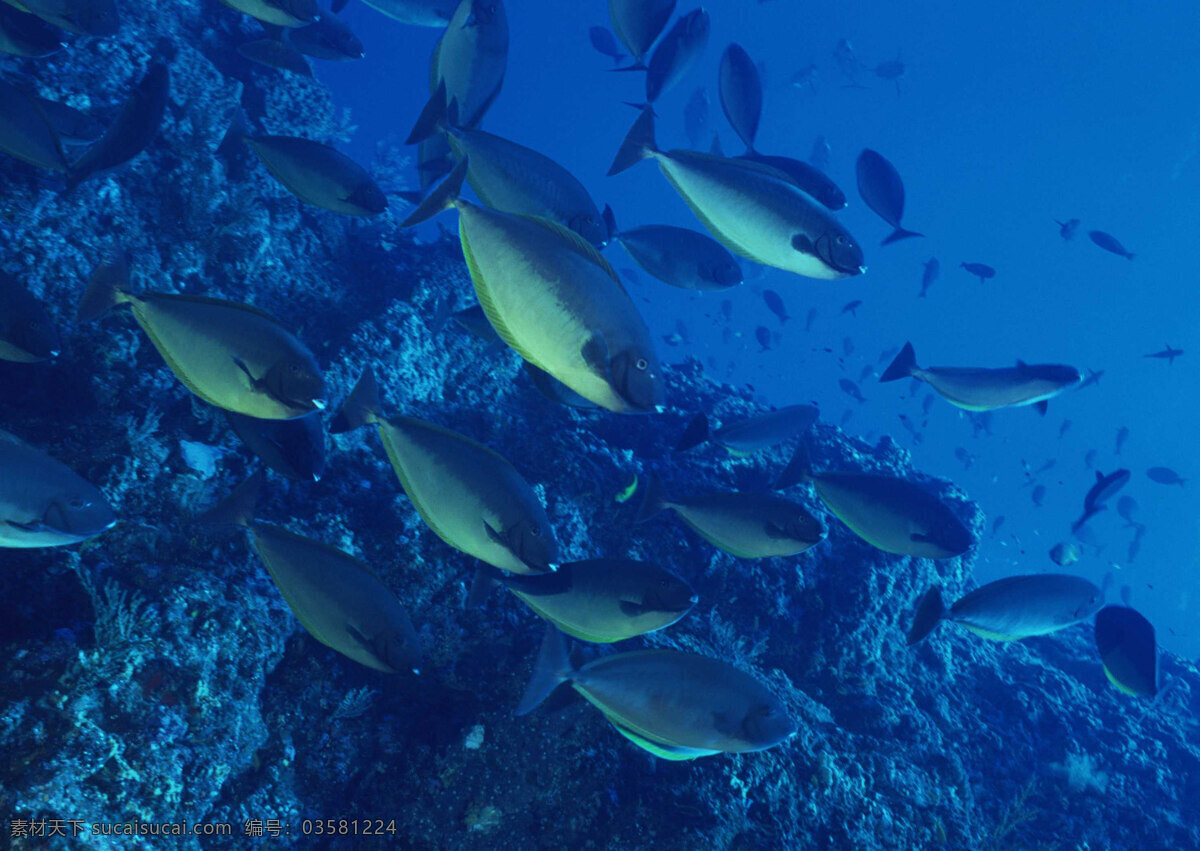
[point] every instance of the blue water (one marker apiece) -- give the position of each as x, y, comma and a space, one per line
1009, 116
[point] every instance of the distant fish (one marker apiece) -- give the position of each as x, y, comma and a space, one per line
1104, 489
276, 53
763, 335
1064, 554
997, 523
753, 434
847, 61
805, 78
695, 117
967, 459
27, 35
932, 269
852, 307
1165, 476
891, 70
1128, 650
820, 154
678, 256
881, 188
1067, 229
982, 271
280, 13
293, 448
1039, 495
1127, 507
1122, 436
810, 318
1168, 354
1093, 377
1063, 428
27, 334
741, 93
1012, 608
851, 390
606, 43
1109, 243
419, 13
911, 428
328, 38
985, 389
775, 304
638, 23
676, 53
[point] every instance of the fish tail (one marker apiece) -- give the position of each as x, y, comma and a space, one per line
432, 117
485, 579
552, 668
105, 290
903, 365
799, 469
610, 221
654, 499
442, 197
930, 612
361, 406
237, 509
639, 143
898, 234
695, 434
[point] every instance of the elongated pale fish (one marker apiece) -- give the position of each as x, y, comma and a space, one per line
1126, 644
553, 299
231, 355
470, 496
335, 596
674, 705
755, 211
984, 389
1012, 608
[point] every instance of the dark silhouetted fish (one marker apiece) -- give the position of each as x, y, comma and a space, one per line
1109, 243
982, 271
1127, 507
293, 448
676, 53
1165, 476
891, 70
276, 53
27, 35
133, 129
851, 389
763, 335
932, 269
805, 78
881, 188
27, 334
820, 154
605, 43
1039, 495
775, 304
741, 93
1168, 354
808, 178
638, 23
1093, 377
1062, 429
847, 61
810, 318
1128, 650
753, 434
967, 459
26, 132
328, 38
678, 256
1104, 489
1122, 436
1067, 229
1064, 554
852, 307
695, 117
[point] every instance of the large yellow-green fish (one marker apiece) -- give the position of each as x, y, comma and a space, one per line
335, 596
231, 355
674, 705
470, 496
752, 209
552, 298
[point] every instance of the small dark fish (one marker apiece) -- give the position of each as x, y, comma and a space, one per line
676, 53
293, 448
982, 271
1168, 354
327, 38
1127, 507
911, 428
1165, 476
27, 334
1046, 466
852, 307
678, 256
638, 24
1104, 488
695, 117
1089, 458
892, 70
810, 318
1062, 429
1109, 243
932, 269
808, 178
851, 389
847, 60
1122, 436
27, 35
1039, 495
133, 130
881, 188
606, 43
1128, 650
1093, 377
866, 372
805, 78
763, 335
967, 459
820, 154
275, 53
741, 93
775, 305
1067, 229
997, 523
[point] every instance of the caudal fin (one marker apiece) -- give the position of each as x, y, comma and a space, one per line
432, 117
361, 406
441, 198
610, 221
899, 234
105, 289
695, 434
653, 499
237, 509
902, 366
639, 143
552, 668
930, 612
799, 469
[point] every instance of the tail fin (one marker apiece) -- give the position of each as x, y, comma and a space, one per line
695, 434
902, 366
637, 66
899, 234
610, 221
237, 509
653, 500
639, 143
552, 668
361, 406
799, 469
485, 579
930, 613
442, 197
105, 289
432, 116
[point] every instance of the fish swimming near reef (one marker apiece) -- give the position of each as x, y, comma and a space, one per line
328, 38
672, 704
753, 434
881, 188
43, 503
1128, 651
678, 256
1012, 608
81, 17
293, 448
335, 596
276, 53
985, 389
280, 13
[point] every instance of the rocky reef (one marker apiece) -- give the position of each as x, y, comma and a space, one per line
155, 674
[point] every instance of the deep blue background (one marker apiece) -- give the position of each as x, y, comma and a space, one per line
1011, 115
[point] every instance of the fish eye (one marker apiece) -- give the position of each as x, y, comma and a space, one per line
642, 364
535, 531
294, 369
841, 240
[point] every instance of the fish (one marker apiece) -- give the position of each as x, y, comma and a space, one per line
43, 503
808, 178
1127, 507
1100, 492
1168, 354
892, 514
997, 523
27, 333
81, 17
1165, 476
1122, 436
231, 355
805, 78
911, 428
27, 35
328, 38
419, 13
554, 390
745, 525
775, 304
820, 153
1109, 243
605, 43
982, 271
810, 318
1039, 495
678, 256
1012, 608
276, 53
279, 13
293, 448
741, 93
1089, 458
932, 269
967, 459
131, 132
891, 70
600, 346
676, 53
847, 61
763, 335
26, 132
73, 127
467, 494
336, 597
986, 389
881, 188
638, 23
1067, 229
852, 307
1093, 377
605, 599
1063, 428
1064, 554
672, 704
1128, 650
753, 434
753, 211
851, 389
695, 117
